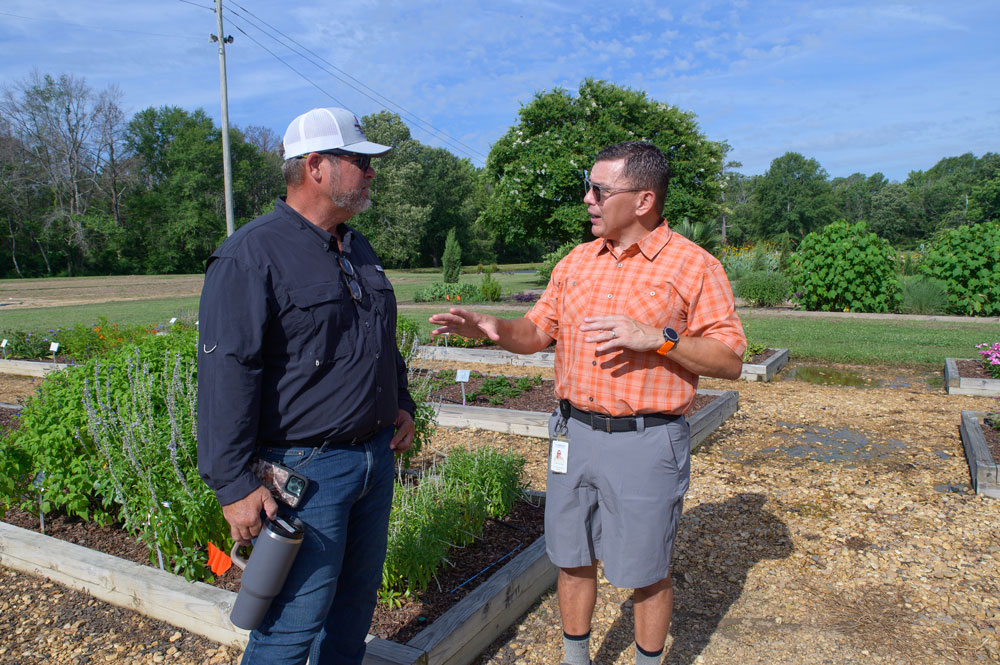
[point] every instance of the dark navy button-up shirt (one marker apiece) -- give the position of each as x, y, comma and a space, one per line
285, 353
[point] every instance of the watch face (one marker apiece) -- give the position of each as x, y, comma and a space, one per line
670, 335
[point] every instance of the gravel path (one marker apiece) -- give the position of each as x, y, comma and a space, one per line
824, 525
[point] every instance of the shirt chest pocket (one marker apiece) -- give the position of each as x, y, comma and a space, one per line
657, 305
322, 317
382, 294
576, 301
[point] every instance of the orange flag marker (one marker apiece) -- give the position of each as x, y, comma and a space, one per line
218, 560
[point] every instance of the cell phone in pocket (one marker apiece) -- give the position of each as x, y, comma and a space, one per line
285, 485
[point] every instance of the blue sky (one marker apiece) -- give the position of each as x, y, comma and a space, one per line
859, 86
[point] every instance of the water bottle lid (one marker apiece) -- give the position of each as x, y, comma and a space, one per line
287, 528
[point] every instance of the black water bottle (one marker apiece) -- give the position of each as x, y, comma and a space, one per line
265, 572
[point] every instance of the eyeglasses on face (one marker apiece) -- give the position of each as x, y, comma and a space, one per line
363, 162
602, 192
352, 283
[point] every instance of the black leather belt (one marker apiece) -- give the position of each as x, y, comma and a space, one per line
320, 443
603, 423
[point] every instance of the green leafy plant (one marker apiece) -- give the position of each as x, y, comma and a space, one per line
498, 388
763, 289
967, 260
446, 508
449, 292
924, 295
489, 290
550, 260
846, 268
451, 260
753, 348
705, 234
27, 344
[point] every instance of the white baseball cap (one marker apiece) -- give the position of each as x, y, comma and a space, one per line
321, 130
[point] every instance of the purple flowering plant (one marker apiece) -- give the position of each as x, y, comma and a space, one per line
991, 358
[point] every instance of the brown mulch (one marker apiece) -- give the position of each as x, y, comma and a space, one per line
8, 419
972, 369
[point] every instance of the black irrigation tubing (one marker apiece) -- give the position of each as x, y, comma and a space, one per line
486, 568
509, 526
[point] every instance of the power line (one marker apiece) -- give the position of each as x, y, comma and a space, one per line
100, 28
211, 9
282, 61
429, 128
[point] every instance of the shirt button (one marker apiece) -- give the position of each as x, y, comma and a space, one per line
591, 399
594, 363
609, 296
652, 293
377, 354
367, 324
379, 389
619, 265
317, 363
378, 422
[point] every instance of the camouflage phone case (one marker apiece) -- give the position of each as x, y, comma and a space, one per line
276, 479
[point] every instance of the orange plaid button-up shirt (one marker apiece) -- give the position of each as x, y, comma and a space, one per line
663, 280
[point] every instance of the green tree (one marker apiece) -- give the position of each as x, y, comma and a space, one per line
853, 195
792, 196
893, 215
452, 259
535, 171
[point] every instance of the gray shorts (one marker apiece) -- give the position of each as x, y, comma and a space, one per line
620, 500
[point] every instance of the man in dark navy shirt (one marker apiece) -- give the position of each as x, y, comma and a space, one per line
298, 365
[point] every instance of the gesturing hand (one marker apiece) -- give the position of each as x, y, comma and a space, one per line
465, 323
616, 331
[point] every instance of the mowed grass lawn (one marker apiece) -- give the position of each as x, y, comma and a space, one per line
884, 342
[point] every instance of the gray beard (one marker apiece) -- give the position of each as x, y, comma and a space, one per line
353, 202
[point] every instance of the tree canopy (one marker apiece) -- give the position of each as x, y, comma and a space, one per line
535, 171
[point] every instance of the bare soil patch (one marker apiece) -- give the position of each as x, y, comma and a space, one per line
972, 369
13, 388
759, 358
56, 292
992, 437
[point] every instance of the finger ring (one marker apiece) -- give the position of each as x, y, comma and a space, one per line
613, 333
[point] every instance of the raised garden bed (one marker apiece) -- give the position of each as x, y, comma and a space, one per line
456, 637
765, 365
712, 408
981, 453
762, 369
967, 377
30, 367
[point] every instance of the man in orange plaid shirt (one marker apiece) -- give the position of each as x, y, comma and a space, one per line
637, 315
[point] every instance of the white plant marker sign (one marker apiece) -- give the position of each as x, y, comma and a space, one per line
53, 347
173, 320
462, 376
3, 345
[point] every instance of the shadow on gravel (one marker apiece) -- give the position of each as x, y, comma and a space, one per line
717, 544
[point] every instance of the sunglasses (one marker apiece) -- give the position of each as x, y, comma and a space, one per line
352, 283
361, 161
602, 192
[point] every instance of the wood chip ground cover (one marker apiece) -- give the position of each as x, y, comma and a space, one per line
880, 554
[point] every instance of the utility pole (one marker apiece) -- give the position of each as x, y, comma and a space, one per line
227, 167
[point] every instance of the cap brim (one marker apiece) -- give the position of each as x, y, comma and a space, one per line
367, 148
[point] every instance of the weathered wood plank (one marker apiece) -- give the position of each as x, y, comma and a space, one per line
766, 370
29, 367
460, 634
486, 356
960, 385
982, 468
200, 608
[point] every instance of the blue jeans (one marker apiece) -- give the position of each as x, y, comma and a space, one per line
325, 608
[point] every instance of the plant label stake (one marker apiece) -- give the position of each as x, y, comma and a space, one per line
3, 345
173, 320
53, 347
446, 339
37, 483
462, 376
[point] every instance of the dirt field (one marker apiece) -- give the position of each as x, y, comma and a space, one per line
825, 525
24, 293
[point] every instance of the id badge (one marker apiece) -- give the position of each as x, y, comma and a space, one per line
559, 456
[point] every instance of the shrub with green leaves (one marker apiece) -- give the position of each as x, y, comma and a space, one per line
967, 260
763, 289
449, 292
451, 260
846, 268
550, 260
489, 289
